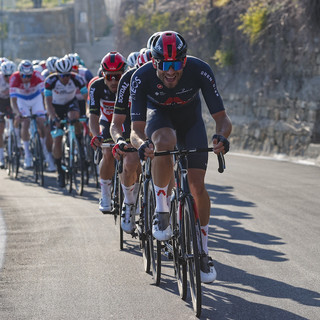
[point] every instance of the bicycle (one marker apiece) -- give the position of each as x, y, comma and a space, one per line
12, 157
72, 162
36, 149
116, 191
185, 244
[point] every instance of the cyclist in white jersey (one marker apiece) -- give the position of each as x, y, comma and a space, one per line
26, 95
7, 69
61, 102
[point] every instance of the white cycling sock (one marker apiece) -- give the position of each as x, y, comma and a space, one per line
26, 149
44, 147
161, 199
136, 189
204, 238
105, 187
128, 192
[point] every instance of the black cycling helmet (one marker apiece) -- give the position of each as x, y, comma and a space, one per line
149, 42
169, 46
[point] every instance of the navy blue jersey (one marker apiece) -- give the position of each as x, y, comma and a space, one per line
148, 91
123, 99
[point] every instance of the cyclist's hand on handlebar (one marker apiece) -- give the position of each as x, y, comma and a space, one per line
220, 144
146, 150
119, 148
96, 142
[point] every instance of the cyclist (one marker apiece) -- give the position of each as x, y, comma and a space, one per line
120, 132
132, 59
26, 96
7, 69
50, 66
61, 102
102, 96
166, 108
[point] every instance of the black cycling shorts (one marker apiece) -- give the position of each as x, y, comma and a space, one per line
189, 127
63, 109
105, 131
5, 106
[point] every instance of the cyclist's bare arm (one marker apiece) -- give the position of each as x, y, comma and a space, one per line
223, 128
116, 126
94, 124
49, 107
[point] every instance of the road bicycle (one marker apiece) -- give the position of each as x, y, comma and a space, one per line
72, 161
12, 151
36, 149
185, 245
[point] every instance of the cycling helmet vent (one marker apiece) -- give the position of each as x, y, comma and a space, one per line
113, 61
63, 65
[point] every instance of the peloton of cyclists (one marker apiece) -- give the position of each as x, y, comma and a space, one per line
166, 108
7, 69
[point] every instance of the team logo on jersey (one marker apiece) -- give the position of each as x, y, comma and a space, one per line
159, 86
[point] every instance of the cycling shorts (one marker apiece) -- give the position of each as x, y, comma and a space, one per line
63, 109
189, 127
5, 108
105, 131
32, 106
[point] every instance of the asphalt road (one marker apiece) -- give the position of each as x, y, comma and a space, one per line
60, 258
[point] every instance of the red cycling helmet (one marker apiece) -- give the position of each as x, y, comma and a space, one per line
113, 61
169, 46
143, 57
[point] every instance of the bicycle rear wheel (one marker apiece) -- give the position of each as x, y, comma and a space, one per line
143, 227
154, 244
37, 154
193, 256
178, 247
120, 202
14, 155
77, 167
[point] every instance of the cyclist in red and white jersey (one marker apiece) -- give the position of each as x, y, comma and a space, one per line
7, 69
26, 95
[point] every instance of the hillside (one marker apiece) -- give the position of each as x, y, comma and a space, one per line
265, 55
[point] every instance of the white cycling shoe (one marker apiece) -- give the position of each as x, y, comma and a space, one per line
161, 229
207, 271
105, 204
127, 217
28, 163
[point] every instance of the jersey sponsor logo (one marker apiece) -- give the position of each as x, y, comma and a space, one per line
159, 86
91, 94
210, 78
122, 91
184, 90
134, 85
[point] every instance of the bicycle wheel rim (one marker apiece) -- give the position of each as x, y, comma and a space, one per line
35, 165
77, 167
178, 248
15, 160
119, 209
65, 162
154, 245
192, 252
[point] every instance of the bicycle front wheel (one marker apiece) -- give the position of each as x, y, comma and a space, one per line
192, 253
14, 155
77, 167
154, 244
37, 153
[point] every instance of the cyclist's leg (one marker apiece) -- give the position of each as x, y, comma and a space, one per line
106, 169
2, 125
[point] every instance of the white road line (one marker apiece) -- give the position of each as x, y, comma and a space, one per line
3, 238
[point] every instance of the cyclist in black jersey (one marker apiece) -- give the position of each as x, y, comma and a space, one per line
120, 132
102, 95
166, 108
61, 102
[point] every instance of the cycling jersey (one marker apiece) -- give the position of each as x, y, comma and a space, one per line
178, 108
148, 91
26, 91
87, 76
62, 94
101, 100
4, 87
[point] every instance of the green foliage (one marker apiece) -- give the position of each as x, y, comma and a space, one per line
133, 24
223, 58
28, 4
254, 20
193, 20
3, 30
220, 3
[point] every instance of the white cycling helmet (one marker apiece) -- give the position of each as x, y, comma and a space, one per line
132, 58
63, 65
50, 64
3, 59
73, 58
8, 68
25, 67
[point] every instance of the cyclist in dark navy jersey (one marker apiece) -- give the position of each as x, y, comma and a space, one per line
102, 96
166, 108
120, 132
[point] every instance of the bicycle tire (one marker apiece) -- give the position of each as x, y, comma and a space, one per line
178, 248
65, 161
120, 199
77, 167
8, 155
193, 256
15, 156
154, 244
37, 153
143, 226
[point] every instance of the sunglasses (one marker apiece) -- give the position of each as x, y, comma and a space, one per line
111, 77
166, 65
64, 75
26, 76
7, 75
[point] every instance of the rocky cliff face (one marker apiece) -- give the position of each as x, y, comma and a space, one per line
269, 80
